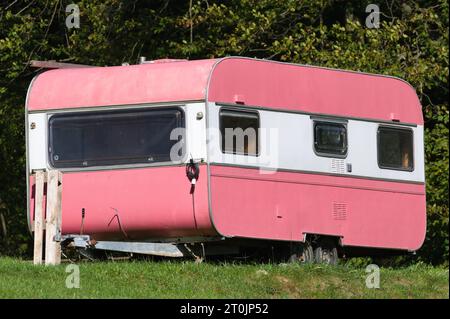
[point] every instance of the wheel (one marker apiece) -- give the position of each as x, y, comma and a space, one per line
302, 253
326, 252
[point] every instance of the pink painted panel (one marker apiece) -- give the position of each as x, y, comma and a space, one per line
254, 82
134, 84
311, 89
284, 205
150, 202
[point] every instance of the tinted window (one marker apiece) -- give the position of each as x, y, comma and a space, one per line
111, 138
395, 148
330, 138
239, 132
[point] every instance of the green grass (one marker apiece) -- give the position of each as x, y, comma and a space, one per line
186, 279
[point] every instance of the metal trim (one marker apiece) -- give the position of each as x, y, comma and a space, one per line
27, 153
120, 166
326, 154
115, 106
392, 127
242, 110
319, 115
208, 163
318, 173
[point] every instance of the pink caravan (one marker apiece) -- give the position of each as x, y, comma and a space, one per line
329, 161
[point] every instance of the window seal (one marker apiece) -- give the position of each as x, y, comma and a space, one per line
328, 154
241, 110
49, 143
395, 128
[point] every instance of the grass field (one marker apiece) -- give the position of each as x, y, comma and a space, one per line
186, 279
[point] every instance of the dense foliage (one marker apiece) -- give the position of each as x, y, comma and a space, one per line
411, 43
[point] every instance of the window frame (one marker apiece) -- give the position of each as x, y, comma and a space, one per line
240, 110
78, 112
395, 128
343, 123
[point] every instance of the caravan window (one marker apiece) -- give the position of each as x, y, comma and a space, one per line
101, 138
330, 139
239, 130
395, 148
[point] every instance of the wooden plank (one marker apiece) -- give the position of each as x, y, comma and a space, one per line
59, 216
52, 248
56, 65
38, 217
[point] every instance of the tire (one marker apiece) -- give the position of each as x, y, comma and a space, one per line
326, 253
302, 254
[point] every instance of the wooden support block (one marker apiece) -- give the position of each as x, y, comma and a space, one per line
56, 65
39, 217
53, 218
59, 216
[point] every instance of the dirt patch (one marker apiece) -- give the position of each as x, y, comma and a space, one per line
293, 289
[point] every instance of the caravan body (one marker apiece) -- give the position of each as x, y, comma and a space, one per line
336, 153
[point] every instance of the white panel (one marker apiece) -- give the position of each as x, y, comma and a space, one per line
419, 153
37, 141
363, 153
196, 131
292, 147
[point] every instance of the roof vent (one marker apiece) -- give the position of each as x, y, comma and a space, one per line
239, 99
394, 117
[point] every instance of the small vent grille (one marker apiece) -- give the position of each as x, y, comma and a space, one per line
339, 211
337, 166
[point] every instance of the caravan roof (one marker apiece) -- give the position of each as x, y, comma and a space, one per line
253, 82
